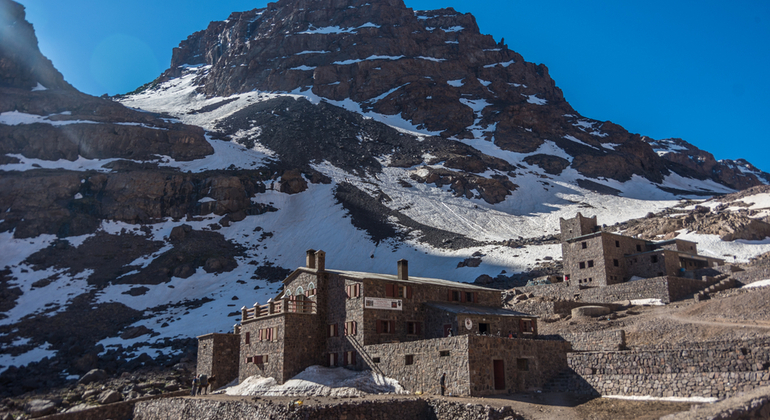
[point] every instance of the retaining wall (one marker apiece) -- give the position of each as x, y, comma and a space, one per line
380, 409
597, 341
666, 288
720, 371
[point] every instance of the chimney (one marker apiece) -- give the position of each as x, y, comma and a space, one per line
320, 260
403, 270
310, 258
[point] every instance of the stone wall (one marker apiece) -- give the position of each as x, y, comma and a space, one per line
252, 346
597, 340
710, 370
218, 356
468, 363
123, 410
666, 288
430, 359
377, 409
549, 307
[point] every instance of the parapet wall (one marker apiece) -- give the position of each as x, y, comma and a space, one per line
123, 410
720, 370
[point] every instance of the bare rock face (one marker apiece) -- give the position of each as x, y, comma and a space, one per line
432, 68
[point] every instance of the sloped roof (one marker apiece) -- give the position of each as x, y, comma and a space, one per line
358, 275
476, 310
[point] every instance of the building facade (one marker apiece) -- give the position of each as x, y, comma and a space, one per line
594, 258
348, 319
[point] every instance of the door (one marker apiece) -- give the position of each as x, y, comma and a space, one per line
447, 330
499, 370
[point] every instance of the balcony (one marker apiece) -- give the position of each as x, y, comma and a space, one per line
282, 306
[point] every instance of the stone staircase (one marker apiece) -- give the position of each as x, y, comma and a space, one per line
725, 282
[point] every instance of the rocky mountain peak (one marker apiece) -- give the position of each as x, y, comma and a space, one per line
21, 63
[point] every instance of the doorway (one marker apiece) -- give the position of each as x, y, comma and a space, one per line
499, 372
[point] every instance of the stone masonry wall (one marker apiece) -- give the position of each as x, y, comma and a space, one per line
430, 359
379, 409
545, 307
528, 364
256, 347
719, 371
218, 356
597, 340
666, 288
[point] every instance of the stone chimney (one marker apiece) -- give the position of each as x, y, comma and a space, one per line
310, 258
320, 260
403, 270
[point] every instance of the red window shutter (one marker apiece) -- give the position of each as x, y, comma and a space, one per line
390, 290
392, 327
521, 325
418, 328
355, 327
307, 293
358, 290
462, 296
353, 357
475, 297
347, 291
248, 337
408, 292
379, 327
449, 295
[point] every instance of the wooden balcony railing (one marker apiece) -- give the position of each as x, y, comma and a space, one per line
281, 306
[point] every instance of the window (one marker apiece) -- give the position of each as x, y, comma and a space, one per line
583, 245
353, 290
300, 291
616, 263
653, 258
332, 330
310, 290
350, 328
248, 337
470, 297
590, 263
617, 244
483, 328
332, 359
386, 327
267, 334
414, 328
522, 364
350, 358
375, 360
639, 248
528, 325
455, 296
582, 265
409, 359
443, 353
397, 290
260, 360
249, 359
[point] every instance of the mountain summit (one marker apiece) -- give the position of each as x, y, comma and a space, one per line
436, 72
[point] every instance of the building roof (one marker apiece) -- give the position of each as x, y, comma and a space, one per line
456, 308
358, 275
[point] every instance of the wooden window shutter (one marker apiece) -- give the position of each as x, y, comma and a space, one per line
248, 337
475, 297
357, 291
408, 292
347, 291
392, 327
521, 326
353, 357
390, 290
462, 296
418, 328
449, 295
355, 327
379, 327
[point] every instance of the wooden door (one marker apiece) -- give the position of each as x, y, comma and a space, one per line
499, 371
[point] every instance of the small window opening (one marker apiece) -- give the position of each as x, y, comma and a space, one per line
483, 328
522, 364
409, 359
443, 353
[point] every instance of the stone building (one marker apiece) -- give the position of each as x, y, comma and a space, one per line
593, 258
403, 326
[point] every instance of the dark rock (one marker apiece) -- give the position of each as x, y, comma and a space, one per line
109, 397
94, 375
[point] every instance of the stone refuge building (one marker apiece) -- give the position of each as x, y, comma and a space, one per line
594, 258
416, 330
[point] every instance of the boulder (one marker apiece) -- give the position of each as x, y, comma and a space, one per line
40, 408
94, 375
110, 396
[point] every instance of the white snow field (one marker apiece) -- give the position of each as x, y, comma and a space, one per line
320, 381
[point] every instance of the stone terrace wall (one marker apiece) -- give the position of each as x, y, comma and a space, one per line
666, 288
123, 410
545, 308
381, 409
597, 340
695, 372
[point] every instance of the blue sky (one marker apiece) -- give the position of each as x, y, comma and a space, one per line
697, 70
